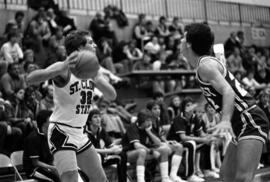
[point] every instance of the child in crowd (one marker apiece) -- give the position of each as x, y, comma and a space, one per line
109, 151
141, 143
176, 149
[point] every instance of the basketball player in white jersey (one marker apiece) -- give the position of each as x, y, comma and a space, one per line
72, 98
240, 115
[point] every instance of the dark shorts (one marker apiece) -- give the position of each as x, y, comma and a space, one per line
250, 124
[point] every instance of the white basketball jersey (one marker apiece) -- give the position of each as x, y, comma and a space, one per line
72, 103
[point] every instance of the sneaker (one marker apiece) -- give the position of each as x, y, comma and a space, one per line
199, 174
177, 179
195, 178
212, 174
167, 179
217, 170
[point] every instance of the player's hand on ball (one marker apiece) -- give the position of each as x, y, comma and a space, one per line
72, 59
223, 127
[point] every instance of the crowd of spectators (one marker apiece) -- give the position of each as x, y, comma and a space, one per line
170, 130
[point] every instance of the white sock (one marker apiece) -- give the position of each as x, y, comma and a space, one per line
175, 163
164, 169
140, 173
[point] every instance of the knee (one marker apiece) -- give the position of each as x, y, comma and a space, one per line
141, 153
179, 148
164, 150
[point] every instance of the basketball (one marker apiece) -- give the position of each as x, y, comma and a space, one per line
86, 66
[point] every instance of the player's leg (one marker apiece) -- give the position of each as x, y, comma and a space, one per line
228, 166
247, 159
177, 150
164, 152
66, 164
138, 156
94, 171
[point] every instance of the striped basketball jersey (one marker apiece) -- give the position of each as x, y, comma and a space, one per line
72, 103
243, 99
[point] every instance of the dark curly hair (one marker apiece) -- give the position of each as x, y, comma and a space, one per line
201, 38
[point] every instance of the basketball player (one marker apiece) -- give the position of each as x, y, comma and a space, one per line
72, 98
240, 115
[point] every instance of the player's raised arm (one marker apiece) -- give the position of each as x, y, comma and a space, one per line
52, 71
211, 72
105, 87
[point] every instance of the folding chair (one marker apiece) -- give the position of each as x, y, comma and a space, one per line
5, 161
5, 164
16, 160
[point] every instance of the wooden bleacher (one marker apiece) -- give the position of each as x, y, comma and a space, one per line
137, 92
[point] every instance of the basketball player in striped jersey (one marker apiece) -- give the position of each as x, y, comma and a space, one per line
240, 115
72, 98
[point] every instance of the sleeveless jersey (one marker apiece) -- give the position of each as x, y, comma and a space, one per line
243, 100
72, 103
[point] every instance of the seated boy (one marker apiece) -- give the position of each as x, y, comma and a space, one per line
187, 129
37, 159
110, 153
141, 143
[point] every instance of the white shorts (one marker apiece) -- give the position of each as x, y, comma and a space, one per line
65, 137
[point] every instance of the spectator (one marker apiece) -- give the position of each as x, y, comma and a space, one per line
101, 28
145, 64
37, 159
32, 99
19, 16
250, 82
28, 56
59, 36
12, 81
47, 102
28, 68
174, 107
19, 114
111, 121
230, 44
66, 22
262, 76
187, 129
234, 61
50, 18
10, 28
108, 151
162, 28
133, 53
250, 59
140, 34
264, 101
153, 47
141, 143
104, 53
159, 97
37, 33
10, 136
11, 51
52, 55
176, 29
175, 148
210, 119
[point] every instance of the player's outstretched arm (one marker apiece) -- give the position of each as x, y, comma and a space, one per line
50, 72
105, 87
